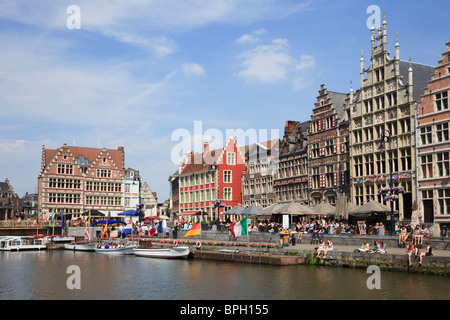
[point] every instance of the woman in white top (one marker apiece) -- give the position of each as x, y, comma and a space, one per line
328, 248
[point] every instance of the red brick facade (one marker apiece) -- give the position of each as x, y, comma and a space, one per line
328, 148
434, 146
75, 179
205, 177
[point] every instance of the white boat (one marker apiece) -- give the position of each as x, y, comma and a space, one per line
80, 246
170, 253
19, 243
116, 250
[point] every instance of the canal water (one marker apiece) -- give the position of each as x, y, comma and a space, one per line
47, 275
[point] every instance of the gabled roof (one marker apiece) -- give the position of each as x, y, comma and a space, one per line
421, 75
88, 155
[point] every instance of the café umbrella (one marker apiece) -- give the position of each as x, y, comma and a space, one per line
371, 208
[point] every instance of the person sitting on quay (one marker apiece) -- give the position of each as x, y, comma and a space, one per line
365, 247
416, 235
376, 247
321, 248
402, 236
329, 247
410, 250
427, 253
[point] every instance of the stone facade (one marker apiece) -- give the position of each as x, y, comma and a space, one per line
386, 104
261, 160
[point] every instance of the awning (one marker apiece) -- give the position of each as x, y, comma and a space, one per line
190, 213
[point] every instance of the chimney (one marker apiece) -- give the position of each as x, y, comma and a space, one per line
205, 147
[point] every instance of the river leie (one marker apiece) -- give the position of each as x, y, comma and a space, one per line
49, 275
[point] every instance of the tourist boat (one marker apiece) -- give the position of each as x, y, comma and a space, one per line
169, 253
19, 243
81, 246
129, 249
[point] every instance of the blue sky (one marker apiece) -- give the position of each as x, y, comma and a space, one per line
135, 72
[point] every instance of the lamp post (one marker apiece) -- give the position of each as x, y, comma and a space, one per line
384, 139
217, 202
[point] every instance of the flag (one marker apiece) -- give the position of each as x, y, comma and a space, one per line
89, 219
62, 222
240, 228
128, 229
105, 230
161, 226
86, 232
52, 221
195, 230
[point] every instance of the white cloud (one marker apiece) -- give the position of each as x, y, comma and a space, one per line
151, 20
193, 68
273, 63
252, 37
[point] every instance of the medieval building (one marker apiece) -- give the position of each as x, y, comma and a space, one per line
74, 180
385, 109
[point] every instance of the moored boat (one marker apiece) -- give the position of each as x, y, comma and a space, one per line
80, 246
20, 243
108, 249
167, 253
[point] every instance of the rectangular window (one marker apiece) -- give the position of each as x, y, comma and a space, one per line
441, 101
425, 135
427, 166
442, 132
231, 158
227, 176
444, 201
405, 155
227, 194
443, 164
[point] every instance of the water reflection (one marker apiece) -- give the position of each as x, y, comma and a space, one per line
43, 275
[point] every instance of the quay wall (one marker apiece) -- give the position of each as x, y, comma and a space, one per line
285, 257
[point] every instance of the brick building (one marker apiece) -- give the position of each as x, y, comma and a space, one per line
386, 104
213, 174
328, 160
76, 179
291, 178
433, 145
261, 160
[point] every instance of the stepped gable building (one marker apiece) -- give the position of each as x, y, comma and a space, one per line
433, 145
261, 160
386, 104
328, 160
205, 177
76, 179
291, 178
9, 201
149, 199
